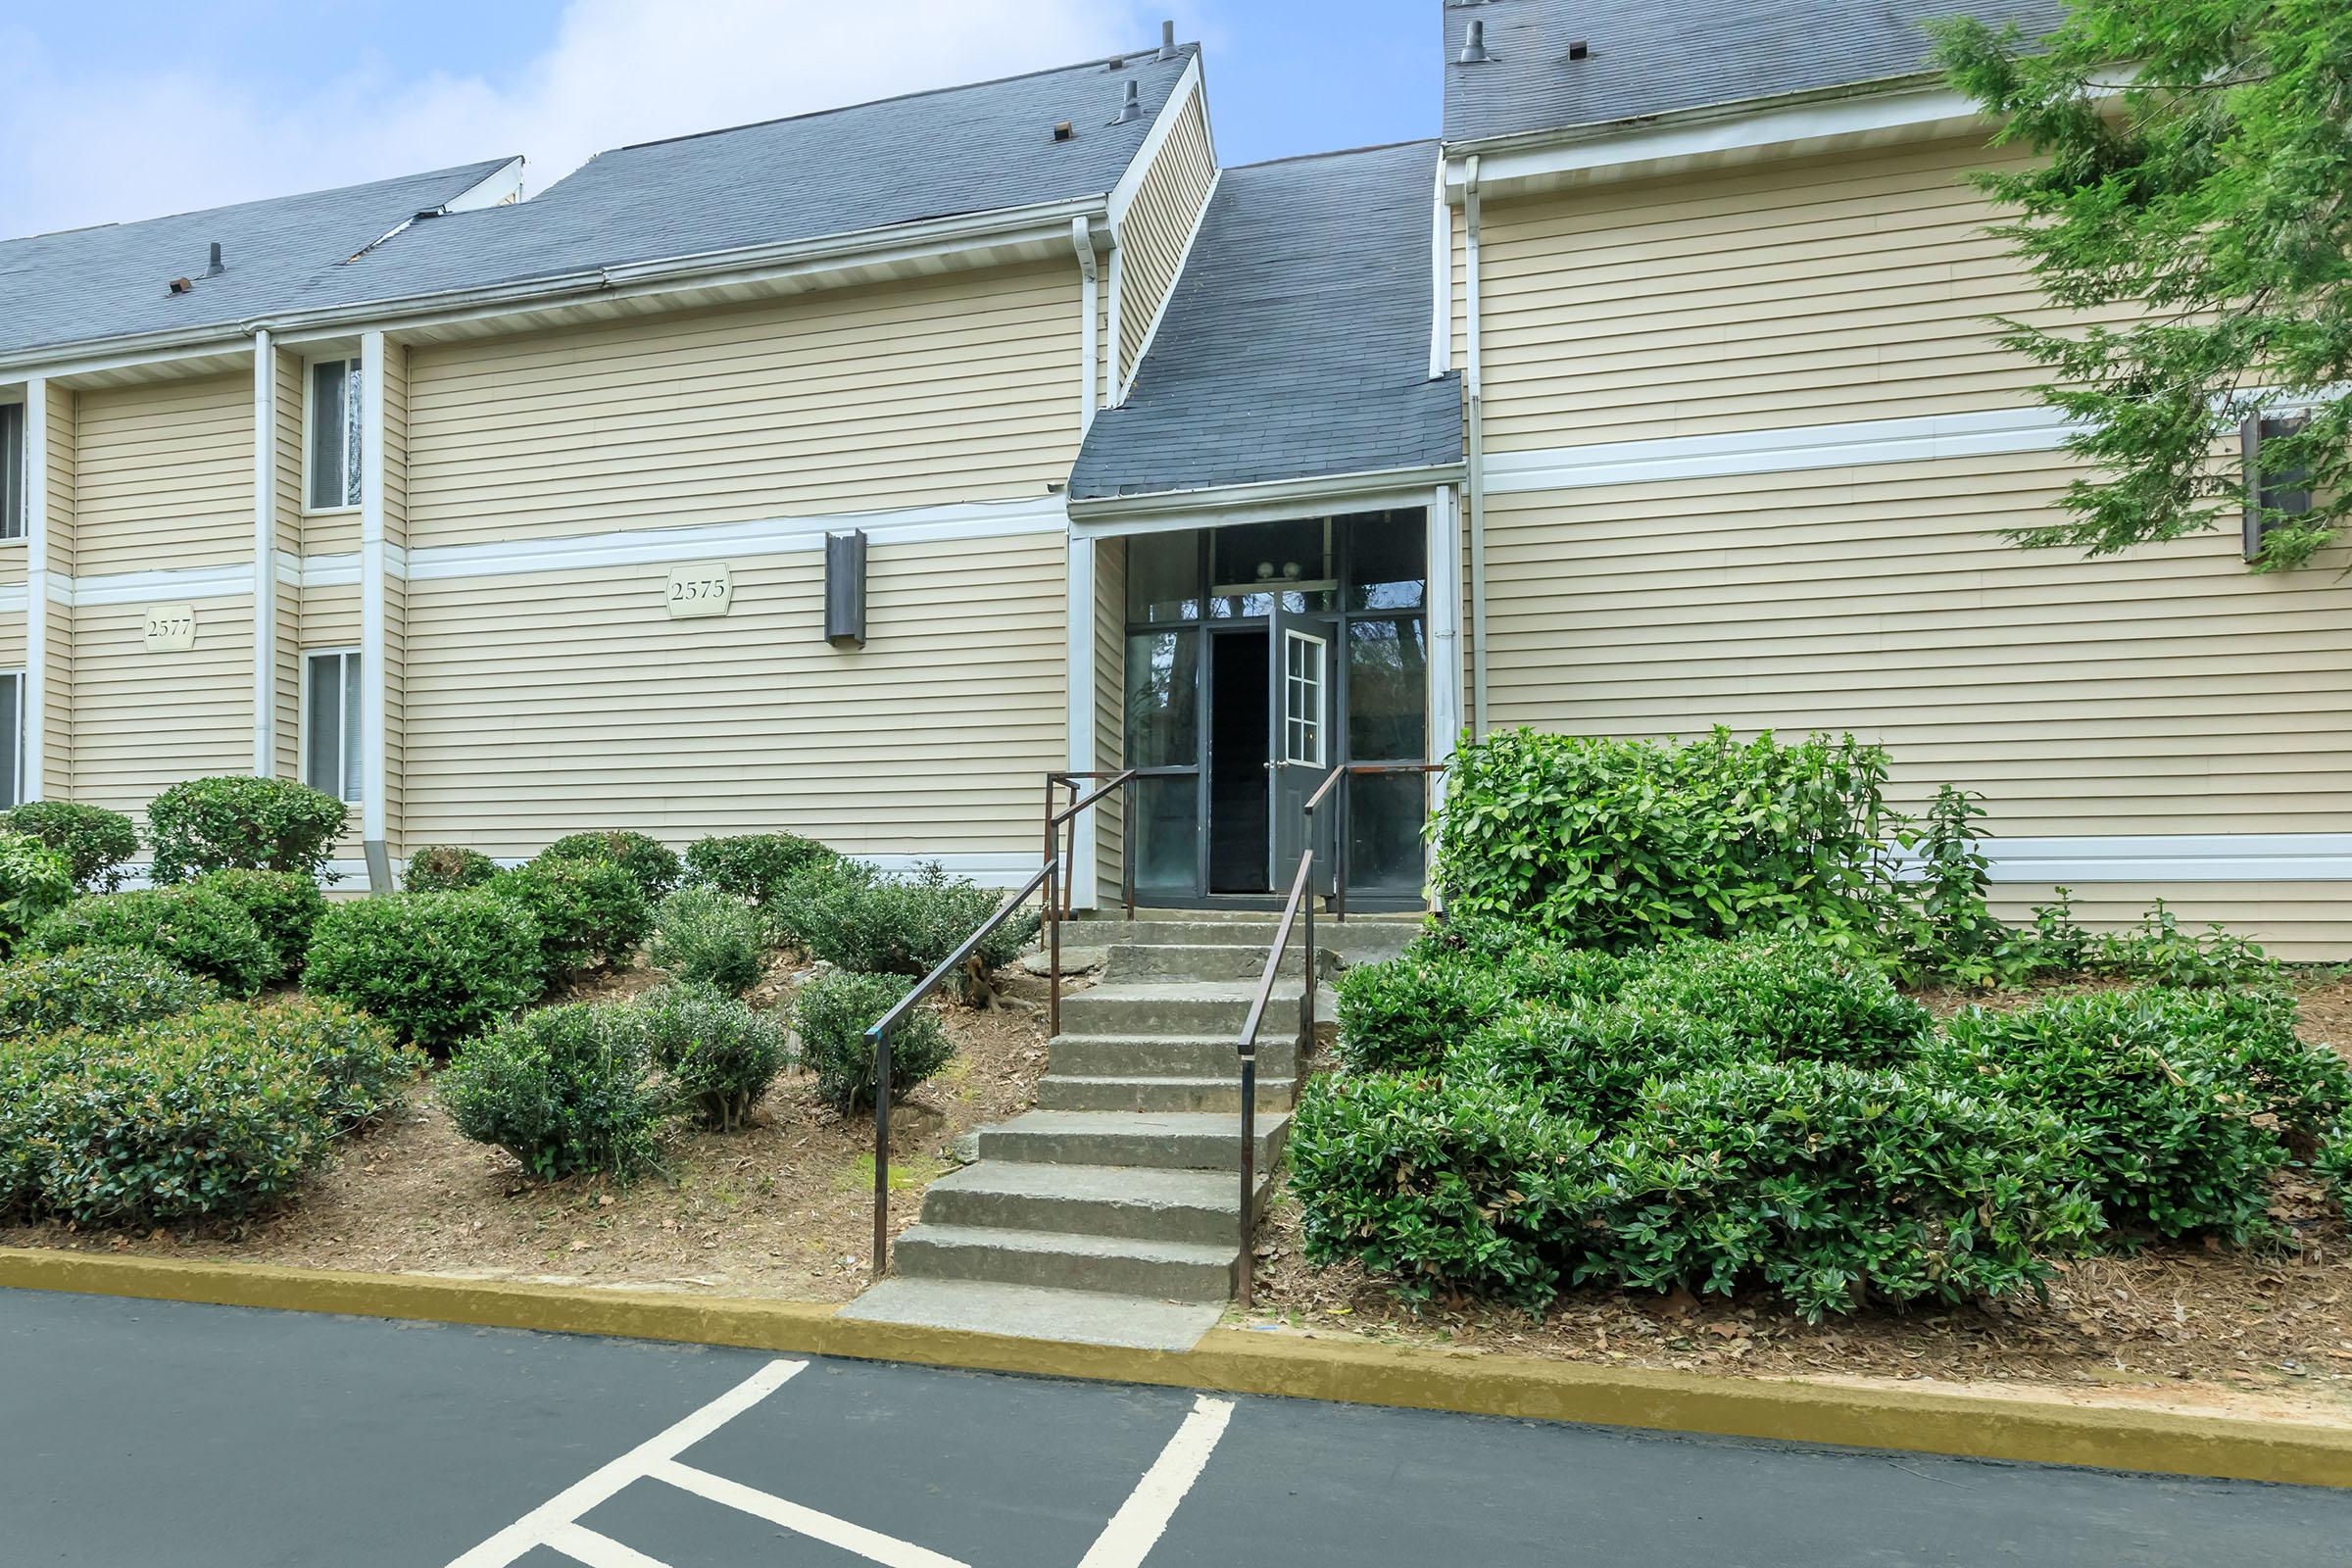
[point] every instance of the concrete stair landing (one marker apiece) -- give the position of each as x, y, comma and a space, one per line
1111, 1214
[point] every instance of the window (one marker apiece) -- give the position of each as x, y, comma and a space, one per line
334, 439
2276, 492
13, 477
1303, 657
330, 745
11, 730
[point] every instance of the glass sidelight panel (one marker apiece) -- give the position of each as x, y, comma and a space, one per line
1164, 698
1167, 830
1387, 689
1385, 816
1388, 562
1163, 577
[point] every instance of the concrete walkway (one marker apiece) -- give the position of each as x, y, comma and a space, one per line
137, 1433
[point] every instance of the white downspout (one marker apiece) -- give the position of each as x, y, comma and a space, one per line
1475, 474
33, 769
1079, 576
374, 613
264, 556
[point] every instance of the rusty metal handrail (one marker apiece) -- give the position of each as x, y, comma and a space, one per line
877, 1039
1121, 779
1302, 898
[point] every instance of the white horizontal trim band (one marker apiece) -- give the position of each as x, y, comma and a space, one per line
1925, 438
2173, 858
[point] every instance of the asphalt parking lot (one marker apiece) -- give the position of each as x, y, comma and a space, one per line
137, 1433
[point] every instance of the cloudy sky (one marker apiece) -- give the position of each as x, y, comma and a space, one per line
124, 109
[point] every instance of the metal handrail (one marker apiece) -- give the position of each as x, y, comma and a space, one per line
1338, 879
1302, 898
877, 1038
1121, 779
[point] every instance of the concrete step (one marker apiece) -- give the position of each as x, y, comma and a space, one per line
1173, 1055
1198, 1206
1157, 1139
1176, 1271
1359, 939
1203, 961
1186, 1008
1084, 1317
1095, 1092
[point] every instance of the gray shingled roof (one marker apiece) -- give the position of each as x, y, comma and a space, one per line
113, 281
959, 150
1297, 343
1652, 57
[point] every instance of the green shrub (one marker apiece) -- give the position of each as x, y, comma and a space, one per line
708, 936
1592, 1063
282, 905
1832, 1186
583, 910
2157, 1093
446, 868
563, 1089
2332, 1163
1539, 971
753, 865
188, 1119
855, 918
1406, 1014
358, 1068
1794, 999
1617, 844
98, 989
720, 1055
94, 841
256, 824
654, 867
2160, 952
436, 966
199, 929
1456, 1187
832, 1013
35, 882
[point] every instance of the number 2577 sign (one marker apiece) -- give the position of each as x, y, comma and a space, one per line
701, 591
169, 628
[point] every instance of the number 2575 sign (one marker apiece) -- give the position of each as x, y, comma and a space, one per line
701, 591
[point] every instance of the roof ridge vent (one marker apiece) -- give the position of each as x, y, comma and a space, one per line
1474, 49
1133, 107
1167, 42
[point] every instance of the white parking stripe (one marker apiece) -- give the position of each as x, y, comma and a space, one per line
583, 1545
870, 1544
1144, 1517
566, 1507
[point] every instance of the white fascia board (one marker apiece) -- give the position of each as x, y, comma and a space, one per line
1440, 278
1722, 134
2169, 857
1114, 517
231, 581
1171, 114
498, 188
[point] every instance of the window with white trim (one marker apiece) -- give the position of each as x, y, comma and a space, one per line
334, 434
2277, 492
11, 730
13, 476
331, 721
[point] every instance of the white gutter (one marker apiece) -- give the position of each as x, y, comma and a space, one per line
1475, 482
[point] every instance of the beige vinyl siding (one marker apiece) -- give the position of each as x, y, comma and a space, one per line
12, 640
1110, 712
546, 704
2300, 923
958, 389
164, 475
1801, 292
336, 531
2167, 691
1160, 225
56, 763
330, 619
145, 720
287, 529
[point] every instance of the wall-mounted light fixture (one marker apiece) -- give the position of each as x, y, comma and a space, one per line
844, 589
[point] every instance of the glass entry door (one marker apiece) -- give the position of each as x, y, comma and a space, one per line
1302, 705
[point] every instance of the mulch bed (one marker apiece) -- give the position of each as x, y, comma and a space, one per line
782, 1209
2272, 1322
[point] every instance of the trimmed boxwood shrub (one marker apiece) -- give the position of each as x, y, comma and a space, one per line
720, 1054
358, 1067
282, 905
1407, 1014
34, 883
832, 1013
753, 865
584, 910
1795, 1000
434, 967
256, 825
1592, 1063
99, 989
707, 937
200, 929
564, 1089
2158, 1092
445, 867
94, 841
654, 865
852, 916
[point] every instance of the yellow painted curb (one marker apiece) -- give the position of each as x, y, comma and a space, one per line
1243, 1361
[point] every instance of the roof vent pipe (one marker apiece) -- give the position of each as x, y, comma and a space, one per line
1474, 52
1133, 108
1167, 41
213, 266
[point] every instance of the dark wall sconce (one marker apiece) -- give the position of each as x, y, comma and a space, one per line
844, 589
